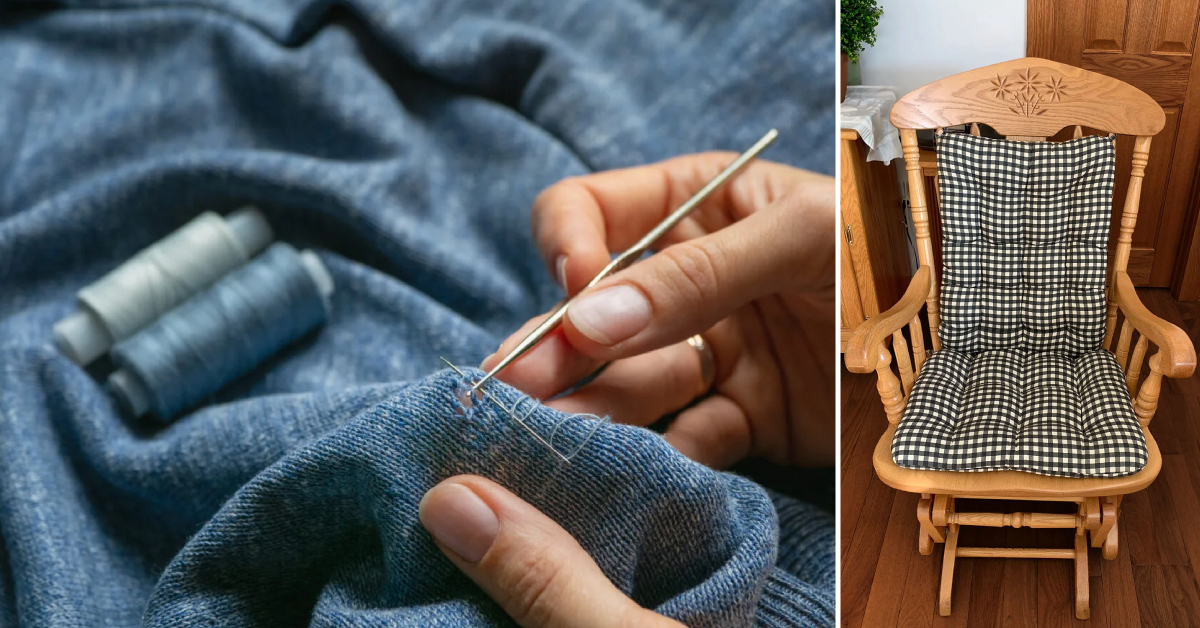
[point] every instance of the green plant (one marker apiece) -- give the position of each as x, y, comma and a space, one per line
859, 19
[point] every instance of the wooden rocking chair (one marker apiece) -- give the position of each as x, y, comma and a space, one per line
1026, 100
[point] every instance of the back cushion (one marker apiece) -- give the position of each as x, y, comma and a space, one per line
1024, 242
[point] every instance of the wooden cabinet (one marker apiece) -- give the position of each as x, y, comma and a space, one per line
875, 264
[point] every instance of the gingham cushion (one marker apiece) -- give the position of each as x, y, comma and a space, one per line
1024, 242
1021, 382
1006, 409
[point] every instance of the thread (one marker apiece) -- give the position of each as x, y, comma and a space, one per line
469, 396
221, 333
157, 279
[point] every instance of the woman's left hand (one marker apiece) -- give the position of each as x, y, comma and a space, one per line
527, 563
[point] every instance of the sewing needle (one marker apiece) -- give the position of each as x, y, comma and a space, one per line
631, 255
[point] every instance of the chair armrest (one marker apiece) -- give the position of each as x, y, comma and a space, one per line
862, 352
1178, 355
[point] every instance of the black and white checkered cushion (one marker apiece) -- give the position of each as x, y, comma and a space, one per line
1008, 409
1021, 382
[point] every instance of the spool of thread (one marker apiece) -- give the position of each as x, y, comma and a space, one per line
221, 333
157, 279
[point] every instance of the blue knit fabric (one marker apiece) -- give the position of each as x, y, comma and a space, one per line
405, 142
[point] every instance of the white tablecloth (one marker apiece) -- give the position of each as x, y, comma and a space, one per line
866, 110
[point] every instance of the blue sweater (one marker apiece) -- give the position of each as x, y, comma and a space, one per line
405, 142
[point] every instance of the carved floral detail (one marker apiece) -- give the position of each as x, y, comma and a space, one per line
1054, 89
1000, 88
1025, 93
1026, 82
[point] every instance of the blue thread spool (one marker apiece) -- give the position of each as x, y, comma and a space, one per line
221, 333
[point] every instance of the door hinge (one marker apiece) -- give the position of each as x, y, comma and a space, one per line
849, 236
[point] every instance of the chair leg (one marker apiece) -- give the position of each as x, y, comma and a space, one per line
929, 533
1111, 544
924, 542
1082, 606
1108, 520
948, 570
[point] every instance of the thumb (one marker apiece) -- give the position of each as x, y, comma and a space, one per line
688, 287
524, 561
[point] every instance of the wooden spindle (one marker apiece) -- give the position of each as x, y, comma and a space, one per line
1147, 398
918, 344
1110, 324
900, 348
889, 387
920, 215
1078, 132
975, 129
1135, 365
1122, 352
1133, 195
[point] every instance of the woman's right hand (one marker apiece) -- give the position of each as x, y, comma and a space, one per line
751, 271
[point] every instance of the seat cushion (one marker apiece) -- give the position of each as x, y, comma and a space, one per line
1005, 409
1025, 230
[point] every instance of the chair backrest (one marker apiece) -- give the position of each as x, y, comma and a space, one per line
1025, 229
1030, 100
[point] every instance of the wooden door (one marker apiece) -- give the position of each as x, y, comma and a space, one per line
1148, 44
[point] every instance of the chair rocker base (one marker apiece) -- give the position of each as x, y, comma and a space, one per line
1096, 522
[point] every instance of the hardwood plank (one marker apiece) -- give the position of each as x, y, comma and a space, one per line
1019, 584
1169, 426
1139, 527
1119, 598
858, 476
985, 595
858, 391
867, 424
1153, 603
1187, 504
1168, 537
1167, 595
862, 554
1099, 618
1056, 597
899, 546
919, 603
1183, 594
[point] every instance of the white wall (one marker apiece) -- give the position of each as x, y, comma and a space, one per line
921, 41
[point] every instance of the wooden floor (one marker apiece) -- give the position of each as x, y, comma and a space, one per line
1152, 582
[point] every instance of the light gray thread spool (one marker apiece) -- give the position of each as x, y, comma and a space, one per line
157, 279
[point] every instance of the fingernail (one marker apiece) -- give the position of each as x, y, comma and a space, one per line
561, 265
460, 520
611, 315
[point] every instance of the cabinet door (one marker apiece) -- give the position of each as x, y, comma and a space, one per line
852, 311
1149, 44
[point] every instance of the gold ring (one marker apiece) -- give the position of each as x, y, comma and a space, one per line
708, 364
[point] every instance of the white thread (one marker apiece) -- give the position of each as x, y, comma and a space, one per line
548, 443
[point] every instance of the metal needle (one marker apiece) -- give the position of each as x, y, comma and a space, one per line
631, 255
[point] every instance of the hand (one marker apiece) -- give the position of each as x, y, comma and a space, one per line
751, 270
524, 561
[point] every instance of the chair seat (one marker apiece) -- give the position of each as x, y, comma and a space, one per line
1048, 413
